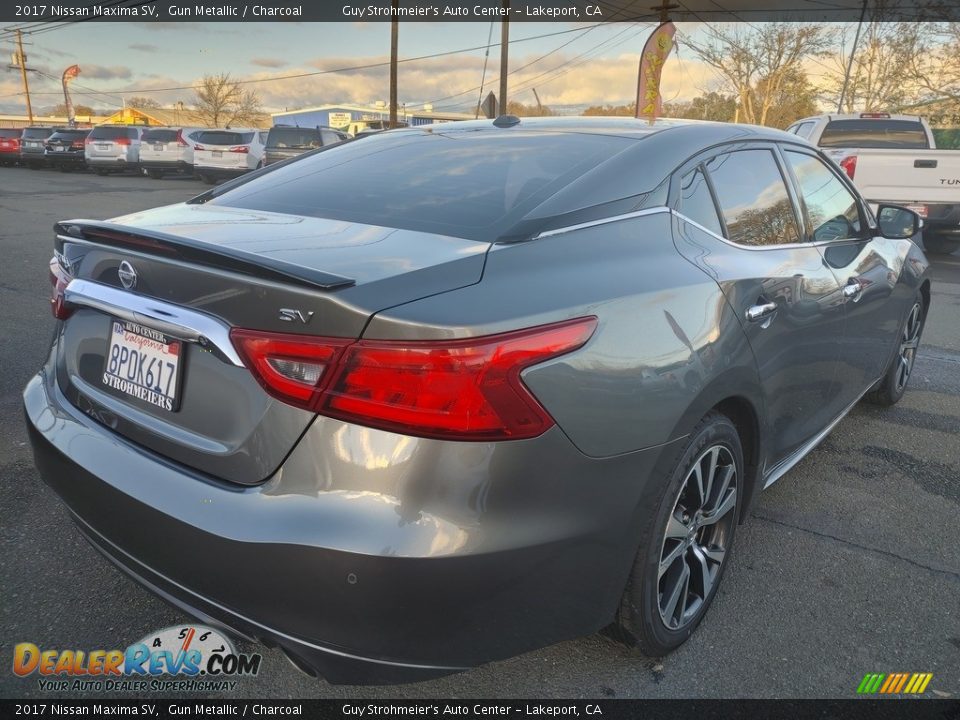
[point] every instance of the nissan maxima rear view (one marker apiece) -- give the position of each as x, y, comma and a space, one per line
409, 404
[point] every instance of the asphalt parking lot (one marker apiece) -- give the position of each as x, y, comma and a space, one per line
848, 565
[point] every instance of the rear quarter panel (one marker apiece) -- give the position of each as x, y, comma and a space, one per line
666, 348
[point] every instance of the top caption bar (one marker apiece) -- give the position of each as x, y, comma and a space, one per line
476, 11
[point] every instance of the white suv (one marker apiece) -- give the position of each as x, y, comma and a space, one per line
113, 148
227, 153
167, 150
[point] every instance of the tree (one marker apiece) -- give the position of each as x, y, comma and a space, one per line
221, 101
629, 110
709, 106
519, 109
933, 63
879, 79
794, 98
61, 109
754, 63
143, 103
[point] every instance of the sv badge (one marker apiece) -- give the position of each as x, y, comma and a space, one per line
292, 315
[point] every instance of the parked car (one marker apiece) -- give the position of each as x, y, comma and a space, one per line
398, 428
64, 149
894, 159
32, 141
114, 148
10, 146
286, 141
167, 150
227, 153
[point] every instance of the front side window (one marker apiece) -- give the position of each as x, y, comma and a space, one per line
696, 202
832, 208
753, 198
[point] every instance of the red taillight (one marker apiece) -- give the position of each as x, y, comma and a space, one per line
88, 141
199, 147
122, 140
240, 149
180, 141
76, 145
466, 389
59, 279
849, 165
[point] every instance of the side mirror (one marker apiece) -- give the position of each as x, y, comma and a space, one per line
898, 223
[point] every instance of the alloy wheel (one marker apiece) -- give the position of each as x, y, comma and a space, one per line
908, 346
698, 535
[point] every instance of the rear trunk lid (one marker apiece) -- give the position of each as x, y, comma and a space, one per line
164, 145
210, 268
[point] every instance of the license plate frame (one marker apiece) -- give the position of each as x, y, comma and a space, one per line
159, 147
128, 377
59, 148
216, 153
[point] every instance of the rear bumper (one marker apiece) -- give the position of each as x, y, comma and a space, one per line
32, 157
113, 163
369, 557
55, 158
12, 156
166, 165
219, 172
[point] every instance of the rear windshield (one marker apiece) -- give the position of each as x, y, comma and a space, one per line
291, 137
224, 137
867, 133
164, 135
472, 184
34, 133
112, 133
10, 132
69, 134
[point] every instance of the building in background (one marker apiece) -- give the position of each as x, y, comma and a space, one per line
357, 117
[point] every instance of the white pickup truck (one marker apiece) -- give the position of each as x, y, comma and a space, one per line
893, 159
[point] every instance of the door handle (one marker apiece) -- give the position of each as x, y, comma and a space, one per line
852, 289
756, 313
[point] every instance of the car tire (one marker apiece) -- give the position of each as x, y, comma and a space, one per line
939, 245
155, 174
102, 172
65, 168
890, 388
208, 179
686, 543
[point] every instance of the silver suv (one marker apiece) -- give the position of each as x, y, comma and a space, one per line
114, 148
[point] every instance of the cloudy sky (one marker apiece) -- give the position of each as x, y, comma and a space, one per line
574, 65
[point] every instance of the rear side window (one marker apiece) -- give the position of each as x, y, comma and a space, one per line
37, 133
160, 135
468, 184
696, 202
112, 133
803, 129
224, 137
293, 137
832, 208
753, 198
874, 133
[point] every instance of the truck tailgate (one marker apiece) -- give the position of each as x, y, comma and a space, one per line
907, 176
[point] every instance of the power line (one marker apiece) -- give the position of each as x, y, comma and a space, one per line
368, 66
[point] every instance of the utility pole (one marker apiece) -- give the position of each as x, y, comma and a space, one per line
504, 52
539, 104
394, 35
22, 62
853, 52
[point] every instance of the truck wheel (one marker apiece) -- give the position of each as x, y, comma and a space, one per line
939, 245
208, 179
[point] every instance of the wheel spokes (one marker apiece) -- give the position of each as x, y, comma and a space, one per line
678, 591
670, 558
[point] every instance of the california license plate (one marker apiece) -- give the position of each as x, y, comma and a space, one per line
59, 148
158, 146
102, 146
217, 153
143, 363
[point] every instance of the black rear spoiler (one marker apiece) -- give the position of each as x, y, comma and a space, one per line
195, 252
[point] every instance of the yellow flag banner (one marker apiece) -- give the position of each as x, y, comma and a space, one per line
655, 54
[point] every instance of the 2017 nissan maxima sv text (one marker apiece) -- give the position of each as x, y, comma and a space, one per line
441, 395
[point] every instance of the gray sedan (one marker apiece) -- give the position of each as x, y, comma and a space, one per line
406, 405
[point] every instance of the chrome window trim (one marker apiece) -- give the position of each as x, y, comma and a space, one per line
174, 320
602, 221
787, 246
